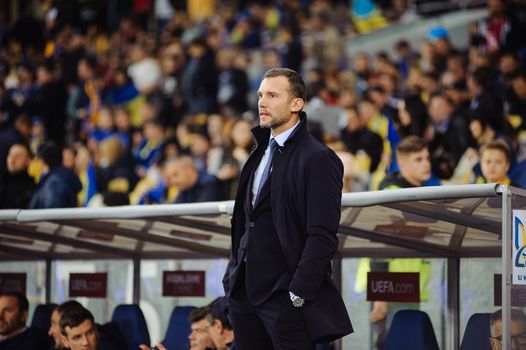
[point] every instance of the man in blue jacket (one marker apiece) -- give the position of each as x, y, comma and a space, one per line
58, 186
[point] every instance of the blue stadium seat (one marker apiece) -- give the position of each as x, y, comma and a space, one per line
42, 316
130, 319
176, 337
477, 333
411, 330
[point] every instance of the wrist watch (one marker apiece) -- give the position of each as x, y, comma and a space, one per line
296, 300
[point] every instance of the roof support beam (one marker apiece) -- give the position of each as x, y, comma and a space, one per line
428, 248
17, 231
147, 237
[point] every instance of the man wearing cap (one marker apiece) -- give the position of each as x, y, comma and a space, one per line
439, 38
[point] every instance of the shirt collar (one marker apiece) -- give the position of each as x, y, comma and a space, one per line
281, 138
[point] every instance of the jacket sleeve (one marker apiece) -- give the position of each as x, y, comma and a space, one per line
323, 193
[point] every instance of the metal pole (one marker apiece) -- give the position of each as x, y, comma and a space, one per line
506, 267
136, 280
48, 281
337, 277
453, 303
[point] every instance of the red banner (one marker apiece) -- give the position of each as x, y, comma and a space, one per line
93, 285
13, 282
184, 283
393, 286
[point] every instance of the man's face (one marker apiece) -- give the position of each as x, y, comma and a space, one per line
178, 174
54, 330
214, 331
82, 337
518, 336
11, 318
494, 165
18, 159
199, 337
439, 109
519, 87
276, 103
416, 167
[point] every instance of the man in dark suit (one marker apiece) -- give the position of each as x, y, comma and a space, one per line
286, 215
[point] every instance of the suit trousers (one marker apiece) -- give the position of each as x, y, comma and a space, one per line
274, 324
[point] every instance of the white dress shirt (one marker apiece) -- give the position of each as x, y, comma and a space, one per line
280, 139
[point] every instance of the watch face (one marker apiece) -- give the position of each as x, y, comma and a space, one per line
297, 302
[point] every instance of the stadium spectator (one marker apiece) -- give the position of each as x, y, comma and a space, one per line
194, 185
358, 138
144, 70
50, 103
451, 136
17, 186
199, 82
58, 186
20, 132
14, 335
415, 169
495, 163
517, 102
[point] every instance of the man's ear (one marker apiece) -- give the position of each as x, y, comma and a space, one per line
219, 326
25, 315
297, 104
64, 340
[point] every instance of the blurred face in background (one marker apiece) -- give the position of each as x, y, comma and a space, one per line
241, 134
415, 167
18, 159
439, 109
54, 330
494, 165
12, 319
199, 337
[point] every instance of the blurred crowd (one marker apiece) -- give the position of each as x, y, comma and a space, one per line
152, 101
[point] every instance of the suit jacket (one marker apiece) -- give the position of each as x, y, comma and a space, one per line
305, 192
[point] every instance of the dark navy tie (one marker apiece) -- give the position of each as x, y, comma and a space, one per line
268, 166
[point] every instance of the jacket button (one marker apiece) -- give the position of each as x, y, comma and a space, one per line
251, 224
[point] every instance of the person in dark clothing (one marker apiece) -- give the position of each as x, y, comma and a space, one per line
357, 137
58, 186
451, 136
415, 169
278, 280
220, 329
50, 103
413, 117
199, 83
517, 101
413, 160
16, 186
78, 330
110, 336
233, 84
194, 186
483, 103
18, 133
14, 335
